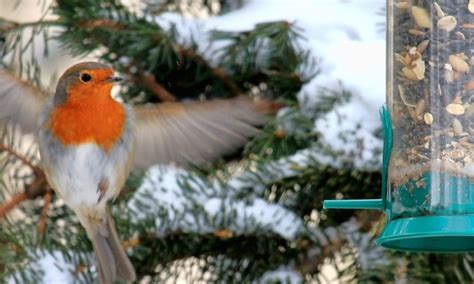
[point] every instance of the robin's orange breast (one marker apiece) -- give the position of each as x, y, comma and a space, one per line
88, 118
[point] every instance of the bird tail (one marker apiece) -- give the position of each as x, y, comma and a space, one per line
112, 261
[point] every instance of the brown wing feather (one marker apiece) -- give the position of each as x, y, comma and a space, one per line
19, 102
194, 132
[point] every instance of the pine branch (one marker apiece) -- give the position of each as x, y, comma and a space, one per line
12, 203
208, 246
158, 90
32, 190
265, 59
125, 34
102, 23
47, 198
10, 26
218, 72
311, 264
25, 161
158, 37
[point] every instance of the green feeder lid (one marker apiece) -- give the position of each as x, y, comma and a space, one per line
430, 234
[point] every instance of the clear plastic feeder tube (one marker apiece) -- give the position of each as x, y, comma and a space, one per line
431, 101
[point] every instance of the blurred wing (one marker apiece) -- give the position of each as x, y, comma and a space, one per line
19, 102
191, 133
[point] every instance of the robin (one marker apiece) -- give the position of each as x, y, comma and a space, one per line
89, 142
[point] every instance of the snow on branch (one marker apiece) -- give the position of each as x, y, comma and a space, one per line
182, 201
51, 267
281, 275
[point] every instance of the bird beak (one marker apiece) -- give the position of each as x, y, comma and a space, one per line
113, 79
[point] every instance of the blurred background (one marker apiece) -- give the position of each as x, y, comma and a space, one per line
253, 217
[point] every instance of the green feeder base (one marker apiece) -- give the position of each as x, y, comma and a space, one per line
430, 234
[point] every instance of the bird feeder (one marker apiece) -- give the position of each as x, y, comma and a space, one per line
428, 124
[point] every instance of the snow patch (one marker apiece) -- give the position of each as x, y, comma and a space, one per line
56, 268
281, 275
53, 267
204, 207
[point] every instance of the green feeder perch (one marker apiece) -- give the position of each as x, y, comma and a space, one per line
428, 155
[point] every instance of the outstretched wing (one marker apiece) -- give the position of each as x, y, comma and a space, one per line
19, 102
194, 132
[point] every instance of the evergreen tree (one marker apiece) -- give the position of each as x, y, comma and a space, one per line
255, 216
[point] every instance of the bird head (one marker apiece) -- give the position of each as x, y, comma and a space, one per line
85, 80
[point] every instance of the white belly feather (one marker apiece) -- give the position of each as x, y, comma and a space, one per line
79, 172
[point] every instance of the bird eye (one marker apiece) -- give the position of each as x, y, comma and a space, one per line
85, 77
